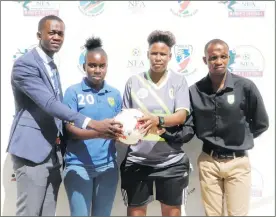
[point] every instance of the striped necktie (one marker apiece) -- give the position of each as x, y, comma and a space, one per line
56, 80
58, 91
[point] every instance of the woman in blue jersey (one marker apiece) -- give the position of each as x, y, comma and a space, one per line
163, 96
91, 174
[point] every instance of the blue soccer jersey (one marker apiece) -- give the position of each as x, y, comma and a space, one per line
97, 105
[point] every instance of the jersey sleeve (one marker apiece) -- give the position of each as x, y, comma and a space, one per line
118, 103
127, 101
182, 97
70, 99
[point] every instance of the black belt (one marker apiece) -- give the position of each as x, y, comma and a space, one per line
223, 154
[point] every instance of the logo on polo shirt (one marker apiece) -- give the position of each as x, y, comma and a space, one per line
111, 101
231, 99
91, 8
245, 8
171, 93
40, 8
246, 61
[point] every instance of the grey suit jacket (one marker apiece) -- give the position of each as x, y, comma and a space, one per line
39, 111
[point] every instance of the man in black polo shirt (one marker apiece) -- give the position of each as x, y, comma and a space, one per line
228, 112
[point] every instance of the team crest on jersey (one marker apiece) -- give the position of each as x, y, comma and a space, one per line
111, 101
171, 93
231, 99
142, 93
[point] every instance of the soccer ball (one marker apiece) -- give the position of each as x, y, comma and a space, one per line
131, 131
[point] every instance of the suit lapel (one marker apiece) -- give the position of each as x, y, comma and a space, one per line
42, 66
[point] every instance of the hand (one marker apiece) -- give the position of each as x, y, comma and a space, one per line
148, 122
160, 131
157, 131
109, 136
107, 127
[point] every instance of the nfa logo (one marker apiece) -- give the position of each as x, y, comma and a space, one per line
183, 55
246, 61
91, 8
82, 59
40, 8
136, 6
136, 61
183, 9
245, 8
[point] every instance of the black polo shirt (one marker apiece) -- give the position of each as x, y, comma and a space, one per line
230, 118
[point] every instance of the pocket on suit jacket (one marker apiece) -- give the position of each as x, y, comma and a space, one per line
28, 122
31, 143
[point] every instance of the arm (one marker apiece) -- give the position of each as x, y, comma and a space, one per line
256, 113
181, 134
83, 134
182, 105
71, 100
175, 119
118, 104
25, 77
127, 102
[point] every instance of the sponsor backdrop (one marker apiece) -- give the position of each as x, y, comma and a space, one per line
247, 26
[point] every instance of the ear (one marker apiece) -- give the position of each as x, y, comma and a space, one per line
204, 60
170, 56
83, 66
148, 54
38, 35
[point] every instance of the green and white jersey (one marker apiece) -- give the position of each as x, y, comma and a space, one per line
171, 95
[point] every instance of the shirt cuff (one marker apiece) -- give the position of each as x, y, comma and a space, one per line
85, 123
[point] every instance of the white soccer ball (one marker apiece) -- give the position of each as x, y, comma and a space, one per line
131, 131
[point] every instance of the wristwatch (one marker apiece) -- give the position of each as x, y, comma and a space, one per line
161, 121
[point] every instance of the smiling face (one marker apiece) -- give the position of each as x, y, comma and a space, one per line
217, 58
159, 55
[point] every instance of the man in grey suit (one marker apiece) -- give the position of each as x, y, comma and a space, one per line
35, 135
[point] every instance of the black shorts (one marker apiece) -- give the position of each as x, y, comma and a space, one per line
171, 183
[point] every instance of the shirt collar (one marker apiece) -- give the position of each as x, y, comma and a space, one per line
228, 81
46, 59
105, 89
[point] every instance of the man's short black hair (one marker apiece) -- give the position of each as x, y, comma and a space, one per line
215, 41
44, 19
